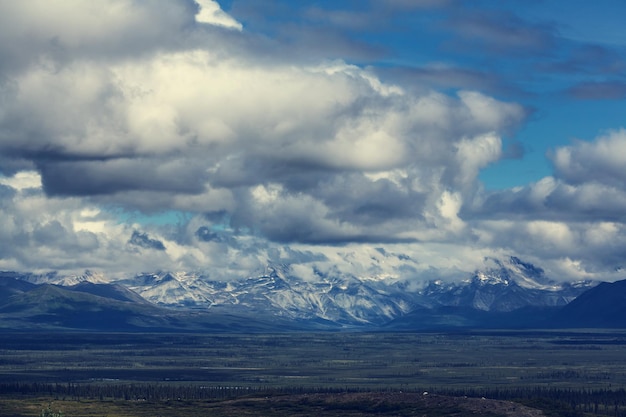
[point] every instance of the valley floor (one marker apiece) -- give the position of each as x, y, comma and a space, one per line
582, 372
342, 404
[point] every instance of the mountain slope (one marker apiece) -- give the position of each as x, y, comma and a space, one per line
341, 300
603, 306
503, 286
112, 291
49, 307
506, 292
10, 285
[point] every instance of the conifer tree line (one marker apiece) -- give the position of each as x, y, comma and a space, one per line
554, 401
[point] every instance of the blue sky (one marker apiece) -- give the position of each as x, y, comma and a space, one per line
222, 136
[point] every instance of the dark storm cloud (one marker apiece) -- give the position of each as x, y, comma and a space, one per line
359, 200
115, 175
213, 235
144, 241
10, 165
205, 234
286, 217
297, 174
54, 234
6, 194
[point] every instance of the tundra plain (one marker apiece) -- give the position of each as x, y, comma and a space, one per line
128, 374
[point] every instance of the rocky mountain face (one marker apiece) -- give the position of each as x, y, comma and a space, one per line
504, 286
505, 292
344, 301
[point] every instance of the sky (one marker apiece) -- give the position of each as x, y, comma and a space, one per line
399, 139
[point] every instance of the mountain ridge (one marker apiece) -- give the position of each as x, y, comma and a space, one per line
603, 306
506, 292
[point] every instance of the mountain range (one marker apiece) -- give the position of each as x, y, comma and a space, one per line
507, 293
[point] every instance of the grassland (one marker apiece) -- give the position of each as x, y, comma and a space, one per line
127, 374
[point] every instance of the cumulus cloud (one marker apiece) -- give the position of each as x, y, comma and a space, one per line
211, 13
571, 251
574, 220
48, 35
152, 107
602, 161
589, 183
275, 145
70, 234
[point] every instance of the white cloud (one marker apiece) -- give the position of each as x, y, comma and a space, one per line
552, 235
46, 33
476, 153
602, 160
22, 180
211, 13
449, 206
191, 123
147, 106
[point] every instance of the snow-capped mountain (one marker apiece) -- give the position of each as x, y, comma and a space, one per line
504, 285
176, 289
338, 299
63, 280
345, 300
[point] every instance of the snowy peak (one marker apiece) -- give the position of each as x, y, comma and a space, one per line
164, 288
513, 271
487, 278
57, 279
343, 300
503, 285
87, 276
